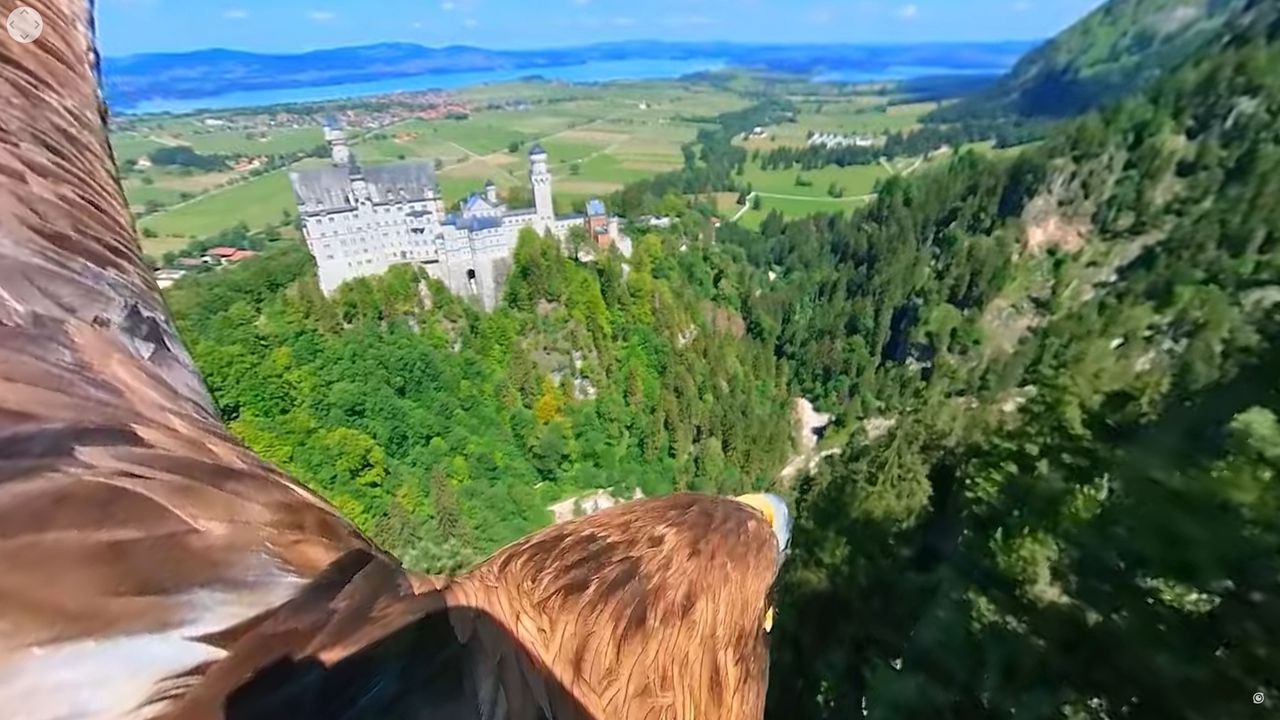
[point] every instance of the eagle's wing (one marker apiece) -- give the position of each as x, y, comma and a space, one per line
133, 526
151, 566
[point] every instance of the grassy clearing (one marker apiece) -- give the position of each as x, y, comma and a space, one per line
156, 247
856, 180
562, 152
169, 187
130, 146
478, 136
793, 207
237, 142
260, 202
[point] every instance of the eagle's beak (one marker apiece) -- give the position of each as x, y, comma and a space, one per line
776, 512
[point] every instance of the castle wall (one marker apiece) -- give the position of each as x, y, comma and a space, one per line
370, 237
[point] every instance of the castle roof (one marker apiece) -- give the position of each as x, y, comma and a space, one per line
595, 206
330, 187
489, 184
537, 150
477, 203
474, 223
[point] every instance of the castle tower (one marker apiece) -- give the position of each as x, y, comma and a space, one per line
359, 186
337, 140
540, 181
491, 192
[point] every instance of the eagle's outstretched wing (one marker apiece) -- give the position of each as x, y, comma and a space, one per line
151, 566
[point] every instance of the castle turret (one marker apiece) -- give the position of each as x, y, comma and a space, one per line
540, 181
491, 192
337, 140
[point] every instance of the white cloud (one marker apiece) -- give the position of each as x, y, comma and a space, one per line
909, 12
1021, 6
235, 14
321, 15
417, 26
447, 6
470, 22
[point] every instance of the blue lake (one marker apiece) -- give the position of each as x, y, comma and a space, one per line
588, 72
901, 72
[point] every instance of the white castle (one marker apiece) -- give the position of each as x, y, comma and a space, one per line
359, 221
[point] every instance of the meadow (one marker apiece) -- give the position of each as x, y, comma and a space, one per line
855, 181
856, 114
261, 202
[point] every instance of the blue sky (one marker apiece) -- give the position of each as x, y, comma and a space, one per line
132, 26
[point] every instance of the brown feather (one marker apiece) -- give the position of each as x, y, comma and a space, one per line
152, 566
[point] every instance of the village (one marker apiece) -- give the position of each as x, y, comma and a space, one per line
366, 113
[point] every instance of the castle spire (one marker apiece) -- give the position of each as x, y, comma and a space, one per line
540, 182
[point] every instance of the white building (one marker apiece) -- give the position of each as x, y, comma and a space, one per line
836, 140
359, 221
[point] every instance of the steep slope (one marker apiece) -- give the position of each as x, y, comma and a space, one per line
1075, 512
1116, 49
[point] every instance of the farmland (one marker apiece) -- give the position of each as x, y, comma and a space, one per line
598, 139
261, 202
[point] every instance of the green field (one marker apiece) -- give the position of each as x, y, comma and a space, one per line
241, 143
776, 190
130, 146
260, 202
614, 134
856, 180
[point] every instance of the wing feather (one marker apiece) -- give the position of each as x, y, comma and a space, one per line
131, 522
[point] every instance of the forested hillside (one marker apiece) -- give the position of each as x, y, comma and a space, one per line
1063, 498
445, 432
1115, 50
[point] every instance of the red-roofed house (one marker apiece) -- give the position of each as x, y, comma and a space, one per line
239, 255
223, 251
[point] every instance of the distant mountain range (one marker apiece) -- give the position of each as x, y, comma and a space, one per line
204, 73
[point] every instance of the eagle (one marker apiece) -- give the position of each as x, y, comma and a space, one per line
151, 566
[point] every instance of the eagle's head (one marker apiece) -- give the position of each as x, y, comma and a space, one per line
664, 603
775, 510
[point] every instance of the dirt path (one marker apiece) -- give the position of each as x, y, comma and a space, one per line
809, 425
745, 207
